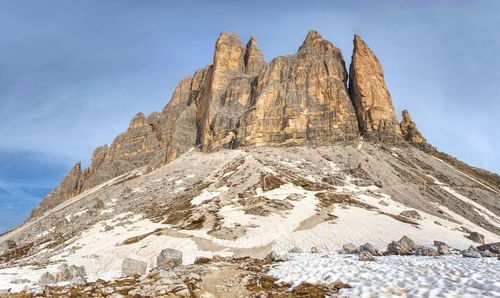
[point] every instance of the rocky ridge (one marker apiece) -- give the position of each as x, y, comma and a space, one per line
241, 101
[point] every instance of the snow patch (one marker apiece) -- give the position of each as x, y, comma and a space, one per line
390, 276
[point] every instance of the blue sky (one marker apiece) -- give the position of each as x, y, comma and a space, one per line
73, 73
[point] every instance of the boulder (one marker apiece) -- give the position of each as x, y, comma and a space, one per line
70, 273
471, 252
46, 279
350, 248
425, 251
366, 256
476, 237
405, 246
367, 247
275, 257
168, 259
314, 250
413, 214
493, 247
131, 267
442, 248
487, 254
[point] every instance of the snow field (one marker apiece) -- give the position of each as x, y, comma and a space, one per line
390, 276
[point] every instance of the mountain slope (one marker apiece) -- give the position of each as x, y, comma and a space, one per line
235, 202
251, 158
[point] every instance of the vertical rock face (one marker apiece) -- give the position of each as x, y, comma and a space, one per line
254, 60
410, 131
371, 99
240, 100
300, 99
225, 99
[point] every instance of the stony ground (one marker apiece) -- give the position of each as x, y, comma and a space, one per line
249, 203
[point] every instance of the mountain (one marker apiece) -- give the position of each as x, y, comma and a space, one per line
254, 159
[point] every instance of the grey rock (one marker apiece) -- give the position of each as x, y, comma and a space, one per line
69, 273
131, 267
405, 246
476, 237
46, 279
487, 254
366, 256
413, 214
493, 247
169, 258
425, 251
367, 247
350, 248
275, 257
442, 248
471, 252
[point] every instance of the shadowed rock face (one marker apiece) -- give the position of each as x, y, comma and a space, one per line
242, 101
369, 94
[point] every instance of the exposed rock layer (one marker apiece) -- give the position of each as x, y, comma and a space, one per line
240, 100
371, 98
410, 131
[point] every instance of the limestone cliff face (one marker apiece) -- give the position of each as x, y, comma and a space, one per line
241, 101
371, 99
410, 131
300, 99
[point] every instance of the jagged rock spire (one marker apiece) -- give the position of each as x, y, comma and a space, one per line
312, 37
410, 131
138, 120
372, 101
229, 54
254, 60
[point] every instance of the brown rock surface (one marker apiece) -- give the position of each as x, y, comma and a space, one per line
371, 98
410, 131
254, 60
242, 101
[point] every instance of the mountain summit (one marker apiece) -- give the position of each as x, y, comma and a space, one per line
252, 163
240, 101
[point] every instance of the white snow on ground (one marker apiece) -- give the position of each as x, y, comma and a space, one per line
206, 195
10, 278
358, 225
401, 276
102, 254
471, 178
262, 230
487, 214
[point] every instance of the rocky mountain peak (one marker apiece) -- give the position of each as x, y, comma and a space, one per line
370, 96
229, 53
254, 60
241, 101
410, 131
138, 120
312, 37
